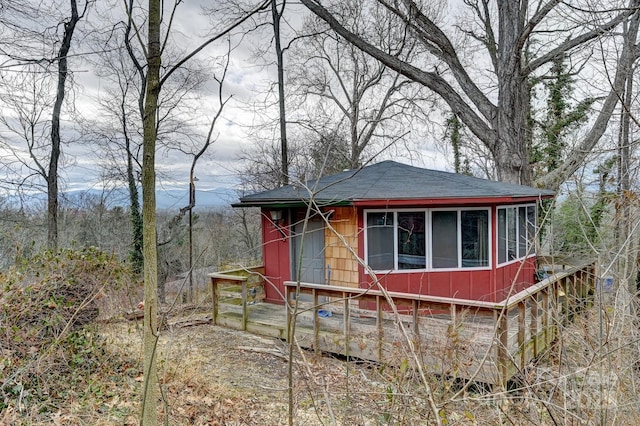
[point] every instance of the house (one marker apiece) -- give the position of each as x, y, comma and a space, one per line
394, 263
421, 231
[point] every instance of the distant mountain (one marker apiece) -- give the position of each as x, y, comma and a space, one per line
175, 199
165, 200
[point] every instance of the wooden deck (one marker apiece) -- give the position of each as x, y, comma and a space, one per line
487, 342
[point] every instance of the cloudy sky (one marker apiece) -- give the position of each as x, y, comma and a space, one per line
246, 79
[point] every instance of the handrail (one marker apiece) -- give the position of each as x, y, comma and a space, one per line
235, 273
507, 303
240, 276
535, 329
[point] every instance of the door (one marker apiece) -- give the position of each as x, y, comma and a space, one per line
311, 248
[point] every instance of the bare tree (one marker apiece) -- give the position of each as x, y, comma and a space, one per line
153, 49
344, 108
31, 114
52, 174
496, 111
276, 16
349, 93
196, 154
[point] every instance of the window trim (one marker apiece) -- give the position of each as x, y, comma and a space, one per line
530, 245
429, 239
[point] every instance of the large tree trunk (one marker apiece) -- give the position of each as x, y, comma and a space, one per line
150, 384
510, 151
52, 174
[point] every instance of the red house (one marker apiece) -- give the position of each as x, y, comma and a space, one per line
421, 231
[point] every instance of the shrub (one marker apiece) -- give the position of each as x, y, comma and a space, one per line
48, 307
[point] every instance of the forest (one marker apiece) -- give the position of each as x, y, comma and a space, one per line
110, 106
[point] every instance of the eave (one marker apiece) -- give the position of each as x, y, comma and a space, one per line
405, 202
464, 201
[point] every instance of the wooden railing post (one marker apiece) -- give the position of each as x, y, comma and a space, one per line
502, 359
245, 313
316, 320
347, 323
565, 303
416, 318
533, 325
214, 299
379, 327
287, 306
522, 313
545, 316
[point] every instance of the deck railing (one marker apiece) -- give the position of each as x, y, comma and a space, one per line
514, 331
224, 285
536, 313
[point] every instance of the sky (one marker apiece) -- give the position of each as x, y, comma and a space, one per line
217, 172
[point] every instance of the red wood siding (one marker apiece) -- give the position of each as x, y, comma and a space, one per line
489, 285
519, 274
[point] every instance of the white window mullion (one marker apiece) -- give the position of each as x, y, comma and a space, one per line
395, 240
459, 237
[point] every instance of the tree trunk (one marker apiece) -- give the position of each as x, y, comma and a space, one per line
284, 156
510, 151
150, 384
52, 174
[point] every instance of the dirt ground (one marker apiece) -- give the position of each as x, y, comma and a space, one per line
217, 376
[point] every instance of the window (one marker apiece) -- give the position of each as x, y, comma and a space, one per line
398, 240
516, 232
474, 226
379, 233
411, 240
445, 239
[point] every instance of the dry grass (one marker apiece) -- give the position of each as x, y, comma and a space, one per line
216, 376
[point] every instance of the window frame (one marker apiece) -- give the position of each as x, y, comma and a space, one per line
529, 246
428, 212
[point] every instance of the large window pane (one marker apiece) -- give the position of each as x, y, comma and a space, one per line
445, 239
380, 241
502, 235
475, 238
522, 231
511, 234
531, 228
411, 240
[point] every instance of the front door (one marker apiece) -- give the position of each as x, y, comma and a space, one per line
308, 252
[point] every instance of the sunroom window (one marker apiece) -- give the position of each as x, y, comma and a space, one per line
380, 227
411, 240
516, 232
398, 240
460, 239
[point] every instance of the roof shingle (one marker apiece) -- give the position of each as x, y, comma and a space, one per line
389, 180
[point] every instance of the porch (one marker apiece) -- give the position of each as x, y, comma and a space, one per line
469, 339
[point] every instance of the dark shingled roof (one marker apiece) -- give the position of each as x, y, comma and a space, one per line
389, 180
